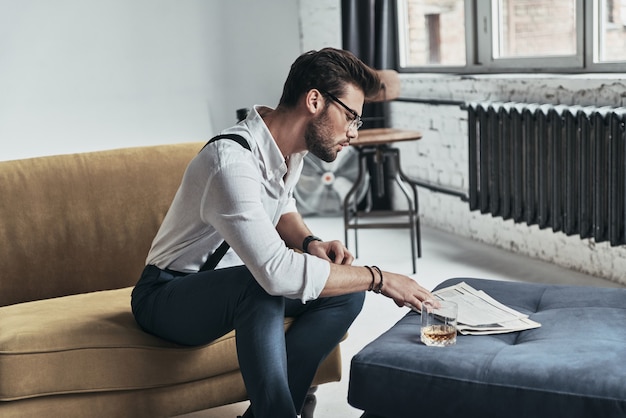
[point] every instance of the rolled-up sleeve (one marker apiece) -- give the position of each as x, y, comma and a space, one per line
290, 206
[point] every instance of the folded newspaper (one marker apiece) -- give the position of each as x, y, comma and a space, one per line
480, 314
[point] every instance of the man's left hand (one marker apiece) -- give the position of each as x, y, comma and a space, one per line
333, 251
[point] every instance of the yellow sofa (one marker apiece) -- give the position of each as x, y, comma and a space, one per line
74, 232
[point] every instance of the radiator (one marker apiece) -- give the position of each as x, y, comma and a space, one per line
555, 166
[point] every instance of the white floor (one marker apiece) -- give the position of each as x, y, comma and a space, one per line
444, 256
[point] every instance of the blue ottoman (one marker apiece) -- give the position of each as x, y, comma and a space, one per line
574, 365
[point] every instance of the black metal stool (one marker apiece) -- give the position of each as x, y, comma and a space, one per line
374, 143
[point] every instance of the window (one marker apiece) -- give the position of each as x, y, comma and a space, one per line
512, 35
534, 28
610, 38
432, 33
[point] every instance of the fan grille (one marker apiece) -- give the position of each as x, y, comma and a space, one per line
323, 186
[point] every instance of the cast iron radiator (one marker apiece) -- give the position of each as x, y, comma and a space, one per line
555, 166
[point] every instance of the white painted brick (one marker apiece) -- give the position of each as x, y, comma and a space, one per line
320, 24
445, 148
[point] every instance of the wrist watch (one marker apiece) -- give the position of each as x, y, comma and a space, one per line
307, 241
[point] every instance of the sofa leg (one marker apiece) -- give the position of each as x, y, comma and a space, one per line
309, 403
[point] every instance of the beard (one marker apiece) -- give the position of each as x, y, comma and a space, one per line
318, 137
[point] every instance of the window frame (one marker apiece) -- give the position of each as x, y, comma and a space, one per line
479, 23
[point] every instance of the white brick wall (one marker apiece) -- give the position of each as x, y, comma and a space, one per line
320, 24
441, 156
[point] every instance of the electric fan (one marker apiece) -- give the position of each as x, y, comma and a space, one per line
323, 186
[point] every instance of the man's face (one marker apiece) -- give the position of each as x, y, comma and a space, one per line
333, 128
319, 137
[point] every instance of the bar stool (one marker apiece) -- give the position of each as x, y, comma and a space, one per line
375, 143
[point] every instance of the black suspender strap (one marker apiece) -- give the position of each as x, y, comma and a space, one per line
214, 259
237, 138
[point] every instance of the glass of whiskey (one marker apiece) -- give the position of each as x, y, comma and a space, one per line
438, 323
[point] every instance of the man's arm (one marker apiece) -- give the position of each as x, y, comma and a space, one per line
293, 231
402, 289
345, 278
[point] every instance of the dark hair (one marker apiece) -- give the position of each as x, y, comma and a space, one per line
329, 70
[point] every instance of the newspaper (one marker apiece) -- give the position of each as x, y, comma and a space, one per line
480, 314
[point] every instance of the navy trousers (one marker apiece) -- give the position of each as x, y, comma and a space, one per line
277, 367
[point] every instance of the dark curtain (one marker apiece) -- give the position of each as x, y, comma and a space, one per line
369, 31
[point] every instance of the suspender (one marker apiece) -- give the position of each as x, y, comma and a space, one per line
237, 138
214, 259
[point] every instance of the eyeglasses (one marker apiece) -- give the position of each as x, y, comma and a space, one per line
356, 123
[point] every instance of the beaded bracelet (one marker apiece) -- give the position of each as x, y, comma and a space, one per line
372, 273
379, 288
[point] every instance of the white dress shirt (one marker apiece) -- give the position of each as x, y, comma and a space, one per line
233, 194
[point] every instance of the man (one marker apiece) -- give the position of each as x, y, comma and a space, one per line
244, 197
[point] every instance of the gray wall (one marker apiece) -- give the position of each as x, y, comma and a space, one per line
81, 75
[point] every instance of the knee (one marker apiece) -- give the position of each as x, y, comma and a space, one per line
356, 301
351, 303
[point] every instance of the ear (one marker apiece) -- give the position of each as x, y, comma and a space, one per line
314, 101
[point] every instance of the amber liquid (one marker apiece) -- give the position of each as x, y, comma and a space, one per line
439, 335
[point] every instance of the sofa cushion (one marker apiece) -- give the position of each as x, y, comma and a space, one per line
90, 342
86, 219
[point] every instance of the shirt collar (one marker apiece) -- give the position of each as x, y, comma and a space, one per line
275, 164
